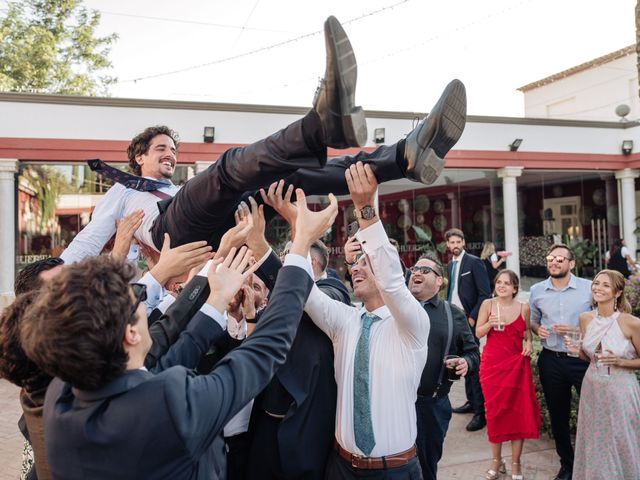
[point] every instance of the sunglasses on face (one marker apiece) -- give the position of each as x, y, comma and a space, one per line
423, 270
140, 292
558, 258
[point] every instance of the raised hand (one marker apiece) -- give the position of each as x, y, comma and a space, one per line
256, 240
174, 262
280, 202
310, 225
125, 230
362, 184
352, 249
237, 236
227, 276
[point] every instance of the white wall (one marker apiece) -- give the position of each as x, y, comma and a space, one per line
591, 94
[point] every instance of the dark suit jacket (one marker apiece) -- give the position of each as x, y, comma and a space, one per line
473, 284
462, 344
168, 425
305, 435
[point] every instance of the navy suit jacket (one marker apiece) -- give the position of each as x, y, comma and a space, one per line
473, 284
168, 425
305, 435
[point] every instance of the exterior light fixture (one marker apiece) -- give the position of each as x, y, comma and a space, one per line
627, 147
209, 134
515, 145
378, 135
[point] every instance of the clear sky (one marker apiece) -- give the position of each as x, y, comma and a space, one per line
407, 50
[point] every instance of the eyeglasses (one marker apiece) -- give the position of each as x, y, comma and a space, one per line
140, 292
558, 258
424, 269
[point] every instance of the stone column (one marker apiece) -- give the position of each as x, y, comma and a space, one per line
8, 169
455, 210
510, 202
627, 204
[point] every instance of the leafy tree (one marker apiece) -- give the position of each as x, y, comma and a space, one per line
49, 46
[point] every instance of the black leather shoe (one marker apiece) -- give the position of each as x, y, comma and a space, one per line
343, 124
427, 145
466, 408
564, 474
478, 422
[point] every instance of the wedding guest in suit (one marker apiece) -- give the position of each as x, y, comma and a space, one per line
105, 415
449, 335
468, 288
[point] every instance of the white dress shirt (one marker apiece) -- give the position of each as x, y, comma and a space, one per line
118, 202
397, 350
455, 298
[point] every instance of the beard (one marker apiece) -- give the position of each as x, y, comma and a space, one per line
559, 275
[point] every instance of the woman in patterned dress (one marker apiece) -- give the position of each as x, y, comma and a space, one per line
608, 437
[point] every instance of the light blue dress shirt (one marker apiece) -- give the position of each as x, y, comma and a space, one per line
551, 306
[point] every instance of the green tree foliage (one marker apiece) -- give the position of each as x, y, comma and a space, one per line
49, 46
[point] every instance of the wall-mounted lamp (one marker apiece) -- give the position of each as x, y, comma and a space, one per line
378, 135
209, 134
627, 147
515, 145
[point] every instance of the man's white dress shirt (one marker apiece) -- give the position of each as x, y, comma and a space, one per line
398, 350
118, 202
455, 298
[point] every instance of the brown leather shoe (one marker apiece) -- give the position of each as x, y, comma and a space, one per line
427, 145
343, 123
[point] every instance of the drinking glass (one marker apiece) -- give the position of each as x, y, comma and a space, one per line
451, 363
574, 336
500, 326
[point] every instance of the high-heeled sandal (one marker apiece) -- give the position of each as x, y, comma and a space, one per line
513, 475
494, 475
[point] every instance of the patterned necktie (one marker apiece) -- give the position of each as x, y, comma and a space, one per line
362, 425
452, 280
124, 178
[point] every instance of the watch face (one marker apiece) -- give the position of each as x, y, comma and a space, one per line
368, 212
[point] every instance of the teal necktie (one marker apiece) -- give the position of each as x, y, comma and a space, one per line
362, 425
452, 279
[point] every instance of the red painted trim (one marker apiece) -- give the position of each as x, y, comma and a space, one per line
73, 211
70, 150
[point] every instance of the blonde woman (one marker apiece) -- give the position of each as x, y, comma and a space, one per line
608, 437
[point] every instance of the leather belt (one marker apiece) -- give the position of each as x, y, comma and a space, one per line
371, 463
556, 354
274, 415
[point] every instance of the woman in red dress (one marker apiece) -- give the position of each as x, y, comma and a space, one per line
505, 374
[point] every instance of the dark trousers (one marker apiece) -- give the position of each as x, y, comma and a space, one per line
339, 469
237, 456
203, 208
264, 452
557, 375
433, 415
472, 385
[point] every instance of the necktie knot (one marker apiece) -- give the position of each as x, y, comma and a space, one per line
368, 319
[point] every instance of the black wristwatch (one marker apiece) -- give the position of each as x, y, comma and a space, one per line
366, 213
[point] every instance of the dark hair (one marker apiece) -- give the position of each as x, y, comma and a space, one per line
322, 253
28, 278
618, 283
75, 328
561, 245
432, 257
15, 365
615, 246
453, 232
140, 144
513, 278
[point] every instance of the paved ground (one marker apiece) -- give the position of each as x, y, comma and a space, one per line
466, 455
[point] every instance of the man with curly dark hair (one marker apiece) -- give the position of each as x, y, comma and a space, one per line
203, 208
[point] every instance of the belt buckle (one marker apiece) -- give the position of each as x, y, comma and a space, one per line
354, 459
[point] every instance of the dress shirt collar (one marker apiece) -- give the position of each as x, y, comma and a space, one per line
433, 301
573, 283
168, 182
126, 381
382, 312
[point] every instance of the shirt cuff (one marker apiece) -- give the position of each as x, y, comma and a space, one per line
212, 312
155, 292
236, 329
264, 257
166, 302
298, 261
205, 270
372, 237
